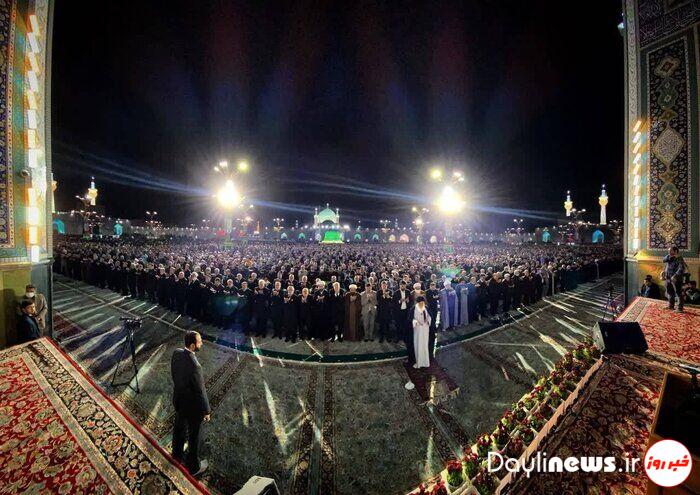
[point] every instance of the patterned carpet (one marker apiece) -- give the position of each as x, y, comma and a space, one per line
671, 334
612, 418
60, 434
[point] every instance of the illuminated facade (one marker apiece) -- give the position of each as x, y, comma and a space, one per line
25, 163
661, 136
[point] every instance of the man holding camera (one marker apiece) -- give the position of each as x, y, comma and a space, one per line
673, 275
191, 403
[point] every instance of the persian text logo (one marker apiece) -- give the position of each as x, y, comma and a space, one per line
668, 463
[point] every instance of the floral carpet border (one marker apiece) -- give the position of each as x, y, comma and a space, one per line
120, 441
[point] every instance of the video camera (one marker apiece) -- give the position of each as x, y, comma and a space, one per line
130, 323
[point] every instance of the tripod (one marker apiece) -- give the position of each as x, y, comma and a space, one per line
609, 303
128, 342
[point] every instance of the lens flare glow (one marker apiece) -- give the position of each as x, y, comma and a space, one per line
228, 196
436, 174
450, 201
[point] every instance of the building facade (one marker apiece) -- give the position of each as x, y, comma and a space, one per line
25, 161
661, 139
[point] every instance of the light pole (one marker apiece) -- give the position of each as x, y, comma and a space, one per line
228, 195
278, 223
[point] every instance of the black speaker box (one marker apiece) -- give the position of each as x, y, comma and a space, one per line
615, 337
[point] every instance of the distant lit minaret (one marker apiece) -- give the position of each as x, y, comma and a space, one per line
603, 201
92, 192
568, 204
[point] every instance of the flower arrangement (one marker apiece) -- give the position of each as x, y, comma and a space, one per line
529, 401
507, 420
567, 361
556, 376
536, 421
501, 436
555, 397
515, 447
483, 444
455, 475
581, 353
484, 482
440, 489
519, 411
540, 393
527, 434
471, 463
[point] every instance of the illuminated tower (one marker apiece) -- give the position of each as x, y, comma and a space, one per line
568, 204
603, 201
92, 192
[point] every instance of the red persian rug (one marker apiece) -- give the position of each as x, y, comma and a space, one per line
432, 383
59, 433
612, 418
671, 334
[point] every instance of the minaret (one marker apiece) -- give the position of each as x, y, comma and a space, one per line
568, 204
92, 192
603, 201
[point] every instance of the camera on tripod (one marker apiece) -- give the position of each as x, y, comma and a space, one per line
130, 323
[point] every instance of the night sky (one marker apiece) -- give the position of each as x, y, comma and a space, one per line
338, 102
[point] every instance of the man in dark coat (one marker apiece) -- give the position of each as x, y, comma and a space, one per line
261, 308
336, 301
27, 327
385, 304
191, 403
290, 314
277, 309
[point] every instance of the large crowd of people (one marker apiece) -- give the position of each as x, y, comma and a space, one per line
353, 292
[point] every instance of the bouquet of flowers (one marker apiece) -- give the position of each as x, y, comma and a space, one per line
555, 397
536, 421
581, 353
484, 482
546, 411
594, 351
567, 361
501, 436
515, 447
570, 381
529, 401
471, 463
440, 488
527, 434
556, 377
483, 444
508, 420
540, 393
455, 476
519, 412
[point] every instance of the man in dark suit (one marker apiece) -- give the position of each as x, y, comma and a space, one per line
190, 401
27, 326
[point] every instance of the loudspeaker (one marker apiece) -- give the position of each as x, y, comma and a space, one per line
615, 337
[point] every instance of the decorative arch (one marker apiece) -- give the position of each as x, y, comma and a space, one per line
598, 237
59, 226
318, 237
404, 238
301, 236
118, 229
392, 238
375, 237
433, 239
546, 236
357, 237
284, 236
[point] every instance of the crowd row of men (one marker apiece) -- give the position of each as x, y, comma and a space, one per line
333, 292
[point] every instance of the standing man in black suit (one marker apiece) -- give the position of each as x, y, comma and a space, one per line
191, 403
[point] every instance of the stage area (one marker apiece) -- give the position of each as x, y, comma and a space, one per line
334, 427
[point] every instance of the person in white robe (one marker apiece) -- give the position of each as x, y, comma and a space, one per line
421, 333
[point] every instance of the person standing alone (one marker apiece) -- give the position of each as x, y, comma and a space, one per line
674, 270
191, 403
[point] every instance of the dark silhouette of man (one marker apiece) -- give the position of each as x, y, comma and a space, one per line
191, 403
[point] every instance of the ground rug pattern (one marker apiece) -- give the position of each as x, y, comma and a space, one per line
612, 418
669, 333
60, 434
331, 428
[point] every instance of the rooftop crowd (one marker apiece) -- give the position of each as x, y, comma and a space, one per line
354, 292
